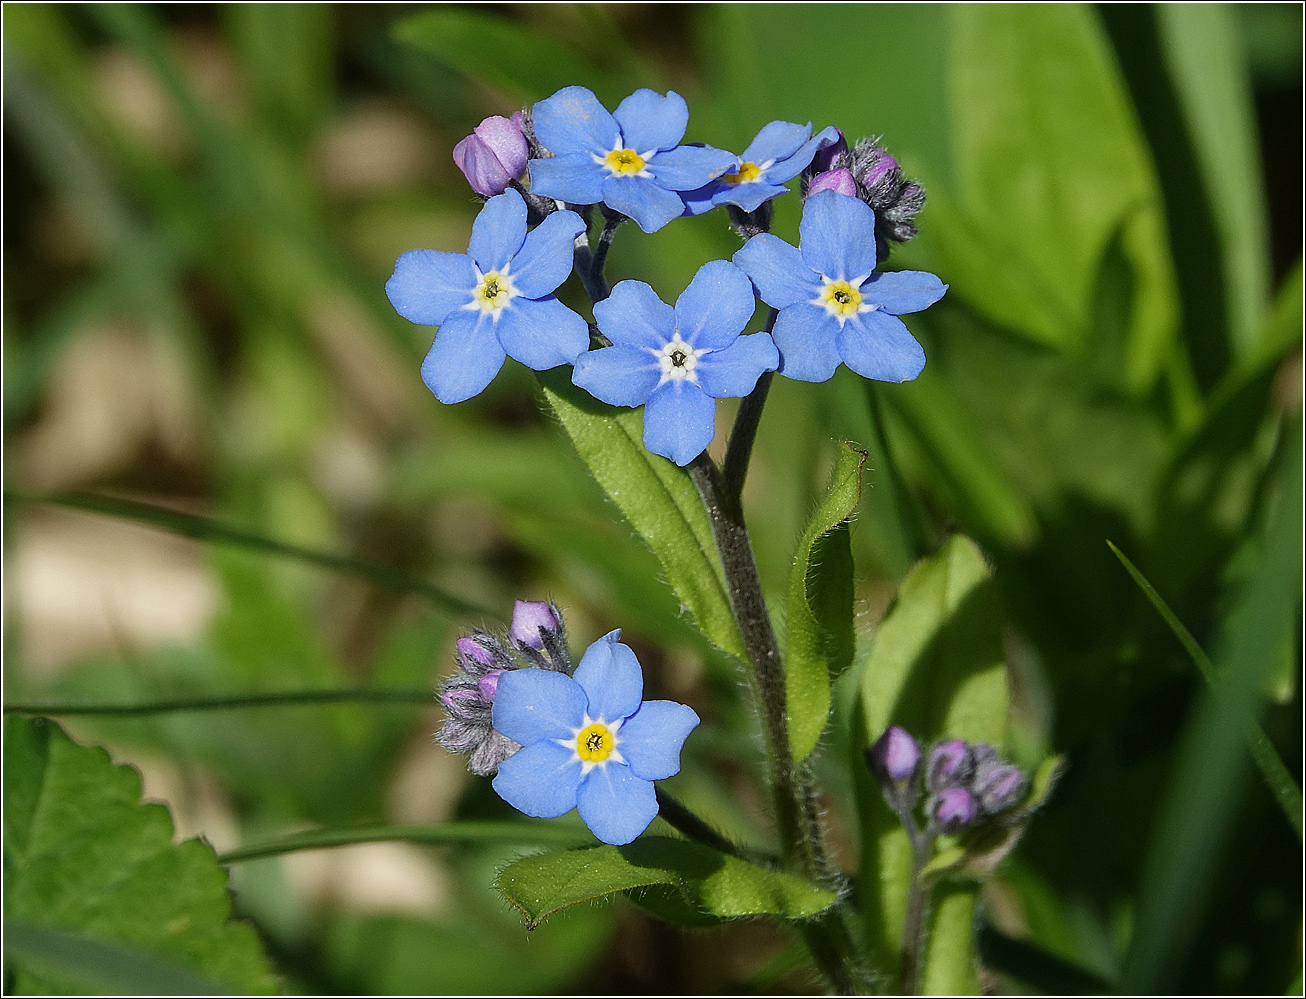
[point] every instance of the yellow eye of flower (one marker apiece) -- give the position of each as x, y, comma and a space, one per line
624, 161
841, 298
594, 743
748, 173
493, 292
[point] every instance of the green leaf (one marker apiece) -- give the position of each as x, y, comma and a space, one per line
711, 883
936, 669
1206, 64
1050, 168
819, 623
82, 854
509, 56
657, 499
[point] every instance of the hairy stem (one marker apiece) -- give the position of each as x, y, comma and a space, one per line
598, 279
913, 924
690, 825
744, 432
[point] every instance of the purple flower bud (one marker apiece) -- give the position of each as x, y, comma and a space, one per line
954, 809
999, 787
493, 155
950, 764
833, 180
471, 647
894, 756
879, 168
529, 619
832, 156
489, 684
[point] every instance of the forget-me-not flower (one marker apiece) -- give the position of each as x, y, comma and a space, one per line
496, 299
781, 151
832, 306
630, 159
589, 741
678, 362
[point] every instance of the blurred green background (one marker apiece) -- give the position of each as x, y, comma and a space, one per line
202, 204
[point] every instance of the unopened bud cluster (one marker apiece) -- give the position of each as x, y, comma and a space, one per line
869, 172
963, 783
535, 639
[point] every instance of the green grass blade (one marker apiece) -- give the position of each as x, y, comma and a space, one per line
549, 833
1277, 778
295, 698
207, 529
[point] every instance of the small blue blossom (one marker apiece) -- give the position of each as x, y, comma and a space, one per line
496, 299
832, 306
678, 362
589, 742
781, 151
630, 160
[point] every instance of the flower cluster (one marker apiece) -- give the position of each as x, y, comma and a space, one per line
558, 740
833, 307
964, 783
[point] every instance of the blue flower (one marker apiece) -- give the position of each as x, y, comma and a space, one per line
781, 151
629, 160
493, 300
678, 362
832, 306
589, 742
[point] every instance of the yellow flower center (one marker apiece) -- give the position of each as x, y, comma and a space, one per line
594, 743
841, 298
748, 174
624, 161
493, 292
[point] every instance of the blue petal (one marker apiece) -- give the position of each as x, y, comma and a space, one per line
634, 316
650, 206
428, 285
700, 199
620, 376
749, 196
531, 705
679, 421
899, 292
777, 141
574, 178
573, 121
498, 232
878, 345
541, 780
651, 738
545, 259
650, 121
542, 332
837, 235
687, 168
610, 675
615, 804
778, 271
801, 159
464, 358
716, 306
733, 372
807, 338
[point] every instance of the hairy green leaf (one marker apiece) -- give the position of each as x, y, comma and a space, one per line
819, 623
657, 499
709, 882
83, 855
936, 669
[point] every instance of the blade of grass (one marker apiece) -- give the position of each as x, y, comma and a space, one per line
1277, 778
294, 698
446, 832
207, 529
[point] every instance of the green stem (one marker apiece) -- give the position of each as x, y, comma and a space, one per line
740, 449
446, 832
598, 280
692, 827
280, 700
913, 924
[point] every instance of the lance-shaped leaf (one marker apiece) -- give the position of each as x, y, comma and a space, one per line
83, 855
819, 625
656, 497
936, 669
702, 881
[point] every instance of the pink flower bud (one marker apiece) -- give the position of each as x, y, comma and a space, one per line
489, 684
529, 618
833, 180
493, 155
